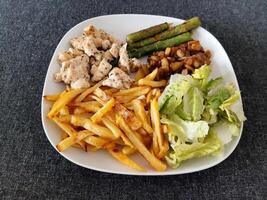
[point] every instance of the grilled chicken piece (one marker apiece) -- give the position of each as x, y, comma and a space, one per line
118, 79
102, 70
74, 69
124, 59
114, 50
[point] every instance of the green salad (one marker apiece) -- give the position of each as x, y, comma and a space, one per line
195, 109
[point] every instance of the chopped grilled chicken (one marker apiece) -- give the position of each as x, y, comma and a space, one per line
118, 79
73, 70
80, 83
89, 46
135, 64
102, 70
124, 59
77, 43
67, 55
114, 50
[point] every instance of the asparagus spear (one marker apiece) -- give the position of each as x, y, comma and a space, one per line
181, 28
146, 33
160, 45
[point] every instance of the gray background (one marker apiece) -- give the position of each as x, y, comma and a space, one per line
30, 168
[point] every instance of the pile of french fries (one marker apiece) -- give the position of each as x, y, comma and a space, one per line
123, 122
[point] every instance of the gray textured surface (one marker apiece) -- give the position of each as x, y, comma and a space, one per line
30, 168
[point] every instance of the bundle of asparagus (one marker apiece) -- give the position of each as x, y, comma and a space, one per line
141, 43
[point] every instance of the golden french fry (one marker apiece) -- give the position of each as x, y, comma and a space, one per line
91, 148
139, 74
79, 110
128, 150
128, 116
149, 97
152, 75
98, 100
124, 159
164, 150
76, 145
140, 112
89, 125
82, 96
64, 118
89, 106
92, 103
96, 141
83, 134
116, 131
63, 100
64, 111
109, 145
101, 94
153, 161
64, 135
111, 91
160, 83
52, 97
102, 111
66, 127
155, 120
66, 143
130, 91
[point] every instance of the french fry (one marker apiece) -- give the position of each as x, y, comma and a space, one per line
152, 75
111, 91
63, 100
125, 160
91, 148
130, 91
89, 106
101, 112
52, 97
116, 131
98, 100
64, 135
96, 141
153, 161
66, 143
64, 118
164, 150
139, 74
155, 120
82, 96
64, 111
89, 125
140, 112
130, 97
81, 104
79, 110
101, 94
109, 145
128, 116
83, 134
149, 97
66, 127
128, 150
160, 83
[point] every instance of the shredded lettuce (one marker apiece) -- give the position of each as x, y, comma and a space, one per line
199, 114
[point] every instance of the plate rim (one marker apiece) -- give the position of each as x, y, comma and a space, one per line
136, 173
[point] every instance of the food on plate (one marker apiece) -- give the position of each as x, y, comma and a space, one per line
194, 107
160, 45
168, 110
146, 33
171, 32
91, 59
184, 58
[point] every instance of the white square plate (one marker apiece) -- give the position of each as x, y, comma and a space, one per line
119, 26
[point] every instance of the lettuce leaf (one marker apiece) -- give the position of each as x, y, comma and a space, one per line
181, 152
193, 103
